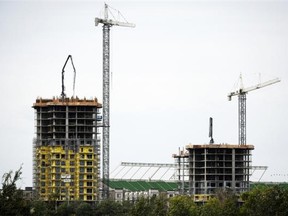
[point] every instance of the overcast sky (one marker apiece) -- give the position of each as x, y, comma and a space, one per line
169, 75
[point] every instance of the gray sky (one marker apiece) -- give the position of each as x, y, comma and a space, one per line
169, 75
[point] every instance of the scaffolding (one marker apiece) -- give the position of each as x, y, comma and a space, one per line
182, 170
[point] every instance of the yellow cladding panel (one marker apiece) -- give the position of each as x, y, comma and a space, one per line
86, 149
57, 149
43, 150
58, 163
201, 197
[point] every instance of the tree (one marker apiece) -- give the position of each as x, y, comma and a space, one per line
109, 208
182, 206
141, 207
154, 206
159, 205
265, 202
84, 209
11, 198
40, 208
127, 207
230, 206
65, 210
211, 208
228, 201
52, 200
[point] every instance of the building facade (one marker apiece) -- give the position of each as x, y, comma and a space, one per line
202, 169
66, 149
217, 166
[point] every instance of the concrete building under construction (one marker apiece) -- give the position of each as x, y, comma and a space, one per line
66, 149
204, 168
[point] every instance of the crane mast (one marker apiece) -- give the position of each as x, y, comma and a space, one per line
242, 105
107, 23
242, 118
106, 110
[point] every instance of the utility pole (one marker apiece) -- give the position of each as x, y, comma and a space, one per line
107, 23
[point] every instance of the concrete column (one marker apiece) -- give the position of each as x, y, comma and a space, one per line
205, 174
40, 124
66, 132
233, 170
66, 124
194, 173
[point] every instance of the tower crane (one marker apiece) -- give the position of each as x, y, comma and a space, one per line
107, 23
63, 95
242, 105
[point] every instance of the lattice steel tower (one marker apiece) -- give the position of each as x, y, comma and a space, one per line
107, 23
242, 105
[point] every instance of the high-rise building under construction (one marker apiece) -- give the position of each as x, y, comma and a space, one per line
209, 167
66, 149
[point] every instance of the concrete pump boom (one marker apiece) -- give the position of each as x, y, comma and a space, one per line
63, 95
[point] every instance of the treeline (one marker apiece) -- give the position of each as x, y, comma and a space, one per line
264, 201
